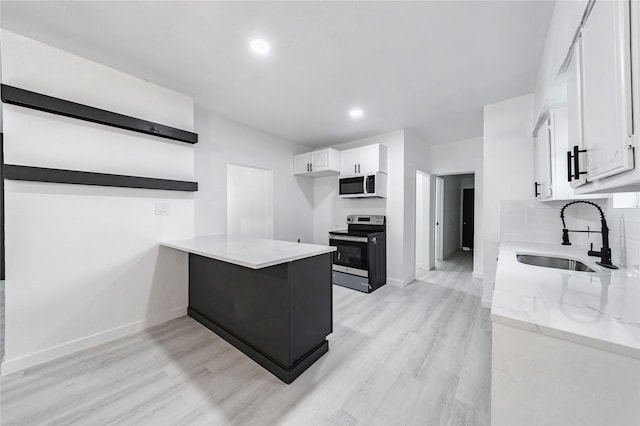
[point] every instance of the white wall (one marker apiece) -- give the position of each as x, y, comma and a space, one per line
224, 142
465, 156
331, 211
451, 215
416, 158
83, 262
508, 171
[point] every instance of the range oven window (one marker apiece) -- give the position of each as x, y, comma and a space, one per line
354, 185
352, 254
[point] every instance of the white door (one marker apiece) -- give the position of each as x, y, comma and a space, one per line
606, 90
369, 159
249, 201
301, 164
349, 162
320, 160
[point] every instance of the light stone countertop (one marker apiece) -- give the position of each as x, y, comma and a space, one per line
599, 309
254, 253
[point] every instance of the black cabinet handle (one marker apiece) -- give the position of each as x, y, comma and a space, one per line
355, 168
535, 189
576, 162
569, 173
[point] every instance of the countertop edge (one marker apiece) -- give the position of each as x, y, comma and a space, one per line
567, 336
247, 264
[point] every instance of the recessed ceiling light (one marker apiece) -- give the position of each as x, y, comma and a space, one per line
259, 46
355, 113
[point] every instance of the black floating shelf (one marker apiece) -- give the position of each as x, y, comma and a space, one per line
41, 174
15, 96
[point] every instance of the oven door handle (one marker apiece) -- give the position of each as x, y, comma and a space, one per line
348, 238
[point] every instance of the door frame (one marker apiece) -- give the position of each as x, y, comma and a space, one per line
439, 216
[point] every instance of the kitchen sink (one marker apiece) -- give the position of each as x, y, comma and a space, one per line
553, 262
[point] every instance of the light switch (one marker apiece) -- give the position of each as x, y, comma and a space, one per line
162, 209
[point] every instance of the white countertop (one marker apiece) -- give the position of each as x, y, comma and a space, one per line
599, 309
251, 252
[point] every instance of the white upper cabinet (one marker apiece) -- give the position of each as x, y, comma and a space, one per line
602, 72
542, 162
559, 163
302, 163
364, 160
575, 149
324, 162
605, 64
553, 161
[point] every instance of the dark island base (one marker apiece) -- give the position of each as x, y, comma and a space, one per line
279, 316
286, 375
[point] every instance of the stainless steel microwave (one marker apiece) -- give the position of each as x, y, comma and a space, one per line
361, 186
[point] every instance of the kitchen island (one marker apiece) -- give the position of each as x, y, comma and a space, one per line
270, 299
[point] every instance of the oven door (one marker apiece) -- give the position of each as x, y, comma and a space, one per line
351, 256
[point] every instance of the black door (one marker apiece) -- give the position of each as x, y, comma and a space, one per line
467, 217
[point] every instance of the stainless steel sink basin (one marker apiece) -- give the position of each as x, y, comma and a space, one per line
553, 262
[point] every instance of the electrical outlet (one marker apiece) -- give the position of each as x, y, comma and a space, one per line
162, 209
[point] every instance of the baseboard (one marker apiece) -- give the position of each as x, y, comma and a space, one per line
401, 283
17, 364
478, 275
486, 303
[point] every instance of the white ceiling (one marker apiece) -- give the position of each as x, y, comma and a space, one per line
428, 67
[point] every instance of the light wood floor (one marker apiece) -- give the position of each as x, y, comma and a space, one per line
418, 355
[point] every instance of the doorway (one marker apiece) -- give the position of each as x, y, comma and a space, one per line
454, 205
249, 201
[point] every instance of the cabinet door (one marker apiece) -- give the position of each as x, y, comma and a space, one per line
320, 160
606, 90
369, 159
349, 162
574, 116
542, 162
301, 163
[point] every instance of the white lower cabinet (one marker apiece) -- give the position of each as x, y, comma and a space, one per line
323, 162
542, 380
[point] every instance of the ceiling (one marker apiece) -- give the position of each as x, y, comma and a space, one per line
428, 67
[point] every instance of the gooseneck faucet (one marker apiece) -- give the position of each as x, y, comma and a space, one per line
605, 251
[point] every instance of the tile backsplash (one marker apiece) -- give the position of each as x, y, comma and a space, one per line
533, 221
